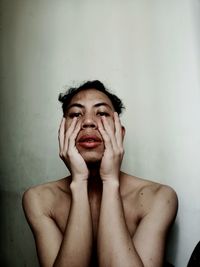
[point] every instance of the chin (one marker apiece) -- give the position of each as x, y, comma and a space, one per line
91, 156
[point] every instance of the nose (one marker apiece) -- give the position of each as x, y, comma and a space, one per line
89, 122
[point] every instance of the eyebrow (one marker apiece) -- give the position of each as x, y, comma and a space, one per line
75, 105
96, 105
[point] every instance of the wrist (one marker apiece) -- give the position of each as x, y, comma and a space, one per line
79, 191
111, 184
78, 185
79, 177
113, 179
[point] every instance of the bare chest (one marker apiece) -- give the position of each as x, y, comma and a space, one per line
132, 214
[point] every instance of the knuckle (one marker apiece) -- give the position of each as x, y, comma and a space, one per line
69, 154
118, 153
61, 155
122, 151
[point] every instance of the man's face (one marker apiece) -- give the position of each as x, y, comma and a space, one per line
89, 106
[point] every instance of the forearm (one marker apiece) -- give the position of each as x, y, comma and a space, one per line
115, 246
75, 250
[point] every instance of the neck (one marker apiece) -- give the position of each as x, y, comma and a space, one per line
94, 181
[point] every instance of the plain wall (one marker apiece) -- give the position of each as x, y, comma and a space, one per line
147, 53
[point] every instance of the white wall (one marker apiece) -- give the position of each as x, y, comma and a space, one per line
146, 52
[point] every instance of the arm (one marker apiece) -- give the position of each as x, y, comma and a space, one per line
47, 235
73, 247
147, 246
75, 250
114, 241
151, 234
115, 245
54, 248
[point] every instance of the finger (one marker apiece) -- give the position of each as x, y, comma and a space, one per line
110, 132
61, 134
69, 132
118, 130
72, 138
104, 134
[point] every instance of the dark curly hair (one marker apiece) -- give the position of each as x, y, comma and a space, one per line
66, 98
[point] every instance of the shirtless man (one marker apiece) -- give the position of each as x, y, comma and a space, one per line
98, 216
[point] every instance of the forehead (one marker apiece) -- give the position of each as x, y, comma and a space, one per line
91, 96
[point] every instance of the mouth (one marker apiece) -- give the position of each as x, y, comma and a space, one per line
89, 141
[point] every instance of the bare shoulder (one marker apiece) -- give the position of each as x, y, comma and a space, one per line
39, 200
152, 196
165, 203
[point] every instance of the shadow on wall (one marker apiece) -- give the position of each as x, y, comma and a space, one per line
17, 244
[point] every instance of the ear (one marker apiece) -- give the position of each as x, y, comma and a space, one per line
123, 132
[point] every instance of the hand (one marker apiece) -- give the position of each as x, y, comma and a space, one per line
113, 153
68, 151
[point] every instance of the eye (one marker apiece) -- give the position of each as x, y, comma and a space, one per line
103, 113
74, 114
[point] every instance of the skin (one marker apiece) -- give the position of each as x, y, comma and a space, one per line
98, 216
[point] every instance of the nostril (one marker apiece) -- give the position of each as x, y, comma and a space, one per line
88, 125
88, 122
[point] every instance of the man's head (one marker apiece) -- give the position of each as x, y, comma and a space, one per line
66, 98
89, 103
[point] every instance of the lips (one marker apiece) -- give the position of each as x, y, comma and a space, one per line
88, 138
89, 141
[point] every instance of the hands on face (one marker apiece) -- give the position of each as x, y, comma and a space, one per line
68, 151
113, 153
